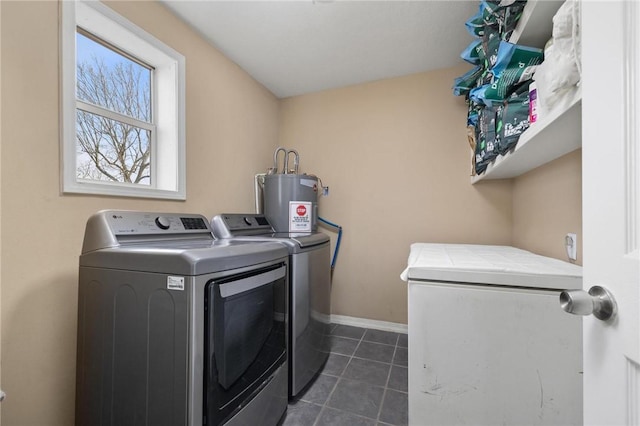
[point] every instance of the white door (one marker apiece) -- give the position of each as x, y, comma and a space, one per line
611, 104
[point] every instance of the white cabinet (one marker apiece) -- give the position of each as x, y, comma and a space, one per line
487, 355
559, 132
488, 341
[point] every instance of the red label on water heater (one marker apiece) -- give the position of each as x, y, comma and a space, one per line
300, 216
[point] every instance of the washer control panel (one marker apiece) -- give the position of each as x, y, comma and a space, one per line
141, 223
111, 228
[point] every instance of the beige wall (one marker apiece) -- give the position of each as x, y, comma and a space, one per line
231, 131
395, 156
547, 204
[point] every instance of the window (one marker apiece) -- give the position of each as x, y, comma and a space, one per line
122, 107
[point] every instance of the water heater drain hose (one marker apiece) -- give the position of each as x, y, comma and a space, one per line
335, 252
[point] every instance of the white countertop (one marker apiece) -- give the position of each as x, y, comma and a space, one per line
486, 264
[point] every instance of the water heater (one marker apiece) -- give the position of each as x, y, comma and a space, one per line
289, 199
291, 202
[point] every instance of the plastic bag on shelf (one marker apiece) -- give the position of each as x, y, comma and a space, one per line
473, 52
471, 138
473, 114
463, 84
485, 135
477, 23
506, 14
512, 119
489, 53
560, 72
501, 14
515, 64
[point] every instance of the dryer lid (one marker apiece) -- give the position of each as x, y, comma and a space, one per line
188, 260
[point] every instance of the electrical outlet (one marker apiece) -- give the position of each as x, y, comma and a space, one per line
571, 244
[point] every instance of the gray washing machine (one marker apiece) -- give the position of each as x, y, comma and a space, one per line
176, 328
310, 289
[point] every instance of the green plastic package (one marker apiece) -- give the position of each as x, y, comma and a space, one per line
505, 14
473, 52
512, 119
486, 150
463, 84
515, 64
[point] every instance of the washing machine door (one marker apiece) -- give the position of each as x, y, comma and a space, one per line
245, 338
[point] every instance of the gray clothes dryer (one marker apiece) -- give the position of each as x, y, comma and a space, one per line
175, 327
310, 289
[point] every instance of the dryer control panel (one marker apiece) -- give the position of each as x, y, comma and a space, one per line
228, 225
111, 228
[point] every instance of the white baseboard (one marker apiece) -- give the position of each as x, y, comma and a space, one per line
369, 323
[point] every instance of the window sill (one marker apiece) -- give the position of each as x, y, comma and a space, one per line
123, 190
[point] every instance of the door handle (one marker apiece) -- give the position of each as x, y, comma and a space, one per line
598, 301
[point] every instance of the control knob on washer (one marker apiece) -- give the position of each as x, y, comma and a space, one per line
247, 220
162, 222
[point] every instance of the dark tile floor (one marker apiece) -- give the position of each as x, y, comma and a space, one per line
363, 383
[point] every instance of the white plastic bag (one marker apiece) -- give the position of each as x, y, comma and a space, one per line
560, 72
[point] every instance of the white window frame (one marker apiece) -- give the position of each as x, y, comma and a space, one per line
168, 170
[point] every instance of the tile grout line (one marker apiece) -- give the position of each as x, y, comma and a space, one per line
377, 419
324, 405
335, 385
386, 385
340, 377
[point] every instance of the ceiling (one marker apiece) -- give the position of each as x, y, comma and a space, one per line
298, 47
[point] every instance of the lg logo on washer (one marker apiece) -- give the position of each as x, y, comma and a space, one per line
300, 216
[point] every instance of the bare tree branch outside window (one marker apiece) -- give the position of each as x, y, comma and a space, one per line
109, 149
